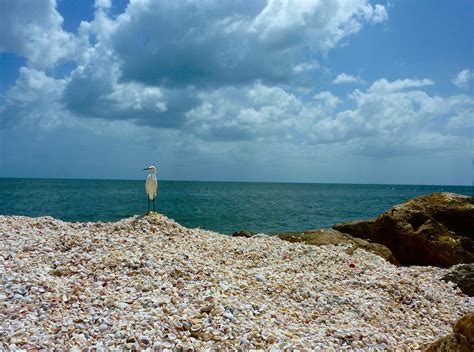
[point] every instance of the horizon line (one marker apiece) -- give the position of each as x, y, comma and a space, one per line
234, 181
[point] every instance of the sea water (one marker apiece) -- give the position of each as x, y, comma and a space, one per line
219, 206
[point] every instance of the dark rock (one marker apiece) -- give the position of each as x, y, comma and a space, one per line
376, 248
461, 340
436, 229
242, 233
465, 326
463, 277
360, 229
450, 343
333, 237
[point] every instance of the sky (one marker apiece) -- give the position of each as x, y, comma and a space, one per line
331, 91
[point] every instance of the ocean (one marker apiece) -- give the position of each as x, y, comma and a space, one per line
224, 207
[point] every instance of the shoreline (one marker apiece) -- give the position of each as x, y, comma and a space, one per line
148, 282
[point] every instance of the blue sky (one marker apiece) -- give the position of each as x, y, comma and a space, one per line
295, 91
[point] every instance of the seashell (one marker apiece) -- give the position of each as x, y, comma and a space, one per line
196, 328
131, 339
187, 347
205, 336
187, 325
228, 315
209, 298
172, 336
177, 324
207, 308
157, 345
102, 328
167, 344
144, 340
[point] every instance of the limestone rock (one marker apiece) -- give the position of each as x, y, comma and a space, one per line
463, 277
465, 326
242, 233
360, 229
334, 237
436, 229
461, 340
450, 343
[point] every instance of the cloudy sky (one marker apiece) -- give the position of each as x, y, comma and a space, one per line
352, 91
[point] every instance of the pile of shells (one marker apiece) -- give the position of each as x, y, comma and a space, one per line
147, 283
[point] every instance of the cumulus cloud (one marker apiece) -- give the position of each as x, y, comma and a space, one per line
33, 29
376, 14
219, 43
241, 114
34, 101
159, 60
344, 78
406, 117
403, 119
223, 73
105, 4
383, 85
306, 66
463, 78
94, 90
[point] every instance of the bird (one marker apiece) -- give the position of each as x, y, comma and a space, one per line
151, 185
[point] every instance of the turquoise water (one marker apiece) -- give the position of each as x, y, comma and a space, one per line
220, 206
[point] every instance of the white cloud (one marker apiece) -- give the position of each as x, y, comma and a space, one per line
397, 120
344, 78
94, 90
215, 44
383, 85
218, 77
105, 4
328, 100
306, 66
243, 114
33, 29
463, 78
376, 14
232, 42
34, 101
322, 25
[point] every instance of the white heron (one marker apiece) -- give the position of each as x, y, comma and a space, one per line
151, 186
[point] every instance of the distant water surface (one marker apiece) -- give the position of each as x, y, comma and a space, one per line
219, 206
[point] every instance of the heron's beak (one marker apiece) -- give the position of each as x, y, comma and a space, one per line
147, 168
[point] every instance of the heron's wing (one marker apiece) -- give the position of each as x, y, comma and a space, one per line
151, 186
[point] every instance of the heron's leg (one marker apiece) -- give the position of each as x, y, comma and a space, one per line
154, 205
148, 204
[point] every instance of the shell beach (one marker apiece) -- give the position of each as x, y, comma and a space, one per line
147, 283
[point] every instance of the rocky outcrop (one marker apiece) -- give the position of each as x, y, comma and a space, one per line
242, 233
334, 237
360, 229
463, 277
437, 229
461, 340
